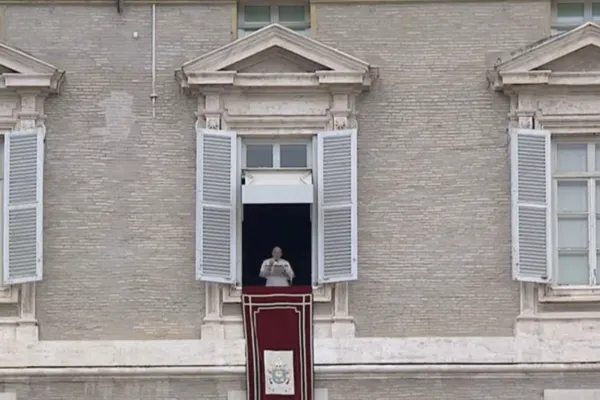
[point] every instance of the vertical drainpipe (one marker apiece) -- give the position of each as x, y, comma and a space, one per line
153, 95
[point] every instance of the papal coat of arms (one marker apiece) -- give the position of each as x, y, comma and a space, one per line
279, 372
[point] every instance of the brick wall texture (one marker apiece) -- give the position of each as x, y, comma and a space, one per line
433, 170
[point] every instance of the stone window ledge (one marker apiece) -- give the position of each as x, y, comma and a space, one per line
553, 294
319, 394
321, 294
572, 394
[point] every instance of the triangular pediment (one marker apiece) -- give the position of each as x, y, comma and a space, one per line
586, 59
20, 69
22, 62
573, 48
300, 53
276, 60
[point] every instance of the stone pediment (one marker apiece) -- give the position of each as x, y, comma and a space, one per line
568, 59
275, 57
20, 70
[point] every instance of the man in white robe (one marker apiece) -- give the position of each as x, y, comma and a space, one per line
276, 270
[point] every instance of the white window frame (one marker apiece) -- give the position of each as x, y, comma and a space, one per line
593, 288
276, 143
587, 14
311, 143
300, 27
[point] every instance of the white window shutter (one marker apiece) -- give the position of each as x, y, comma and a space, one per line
337, 206
23, 206
530, 205
216, 194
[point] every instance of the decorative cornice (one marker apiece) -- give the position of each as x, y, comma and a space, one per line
272, 36
27, 71
323, 372
520, 69
337, 69
552, 48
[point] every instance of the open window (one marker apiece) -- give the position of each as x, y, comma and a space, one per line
298, 194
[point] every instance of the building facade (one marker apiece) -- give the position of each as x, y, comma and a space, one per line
467, 270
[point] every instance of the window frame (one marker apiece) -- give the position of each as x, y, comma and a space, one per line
245, 28
276, 153
587, 14
592, 143
311, 143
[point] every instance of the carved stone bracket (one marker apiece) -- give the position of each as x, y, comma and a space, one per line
210, 111
31, 114
525, 119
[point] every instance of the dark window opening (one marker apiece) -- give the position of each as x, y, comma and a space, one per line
268, 225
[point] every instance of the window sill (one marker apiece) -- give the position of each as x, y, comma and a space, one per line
321, 294
575, 294
571, 394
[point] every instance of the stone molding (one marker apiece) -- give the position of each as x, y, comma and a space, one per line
252, 86
566, 346
521, 67
23, 91
572, 394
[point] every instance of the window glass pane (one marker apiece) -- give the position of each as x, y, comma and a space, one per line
572, 233
292, 13
292, 155
257, 14
571, 157
570, 12
572, 196
573, 269
259, 156
596, 11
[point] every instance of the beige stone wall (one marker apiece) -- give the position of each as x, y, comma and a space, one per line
119, 186
434, 229
433, 167
409, 388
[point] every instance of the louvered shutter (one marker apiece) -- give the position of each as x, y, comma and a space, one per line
337, 206
23, 203
216, 192
531, 210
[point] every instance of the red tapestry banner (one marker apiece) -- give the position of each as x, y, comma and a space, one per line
279, 351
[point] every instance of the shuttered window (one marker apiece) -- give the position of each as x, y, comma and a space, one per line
216, 206
23, 206
337, 206
531, 212
218, 238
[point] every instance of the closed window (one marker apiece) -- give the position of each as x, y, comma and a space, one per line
570, 14
254, 17
576, 198
555, 209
